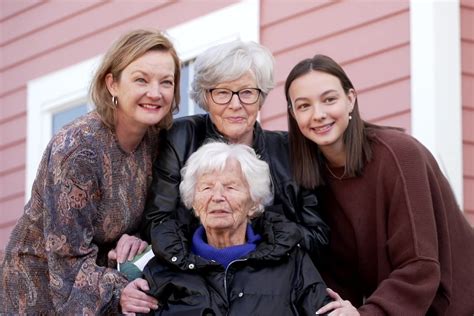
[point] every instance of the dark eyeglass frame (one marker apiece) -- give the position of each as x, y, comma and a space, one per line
237, 93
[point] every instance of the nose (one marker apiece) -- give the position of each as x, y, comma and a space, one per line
318, 112
235, 102
218, 193
154, 91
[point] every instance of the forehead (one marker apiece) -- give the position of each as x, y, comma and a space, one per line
231, 169
153, 59
246, 80
315, 81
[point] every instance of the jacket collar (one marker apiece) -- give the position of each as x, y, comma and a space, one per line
279, 237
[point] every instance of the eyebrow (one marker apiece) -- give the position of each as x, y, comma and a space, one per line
322, 95
147, 74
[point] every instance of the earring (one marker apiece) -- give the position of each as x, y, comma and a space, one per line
350, 117
114, 100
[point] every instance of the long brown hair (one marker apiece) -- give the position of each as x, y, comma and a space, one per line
306, 158
123, 52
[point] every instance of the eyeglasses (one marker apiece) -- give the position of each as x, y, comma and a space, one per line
246, 96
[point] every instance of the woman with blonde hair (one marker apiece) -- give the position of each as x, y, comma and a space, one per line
88, 197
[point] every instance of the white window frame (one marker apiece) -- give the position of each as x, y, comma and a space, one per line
68, 87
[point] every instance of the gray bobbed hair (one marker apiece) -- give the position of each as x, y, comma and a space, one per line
214, 157
228, 62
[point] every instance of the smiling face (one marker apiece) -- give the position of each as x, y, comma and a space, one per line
322, 108
222, 201
145, 91
234, 120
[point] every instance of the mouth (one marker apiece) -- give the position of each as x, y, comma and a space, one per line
322, 129
150, 106
219, 212
236, 119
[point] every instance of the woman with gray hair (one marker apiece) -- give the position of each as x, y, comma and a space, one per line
232, 266
231, 82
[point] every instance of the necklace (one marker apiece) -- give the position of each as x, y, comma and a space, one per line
337, 177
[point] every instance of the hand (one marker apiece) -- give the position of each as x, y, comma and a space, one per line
127, 248
134, 300
338, 307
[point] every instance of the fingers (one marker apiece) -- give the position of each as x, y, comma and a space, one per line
339, 305
143, 246
112, 255
128, 247
333, 295
133, 300
328, 307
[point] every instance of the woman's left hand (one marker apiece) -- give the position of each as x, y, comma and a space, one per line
127, 248
338, 306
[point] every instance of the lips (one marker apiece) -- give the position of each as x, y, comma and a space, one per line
322, 129
150, 106
236, 119
219, 212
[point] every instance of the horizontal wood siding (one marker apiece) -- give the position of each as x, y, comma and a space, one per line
370, 40
40, 37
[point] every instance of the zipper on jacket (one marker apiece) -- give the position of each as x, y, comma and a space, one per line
225, 277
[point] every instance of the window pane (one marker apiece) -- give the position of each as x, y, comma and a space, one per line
184, 91
187, 106
62, 118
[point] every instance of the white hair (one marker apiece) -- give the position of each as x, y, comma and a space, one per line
230, 61
214, 157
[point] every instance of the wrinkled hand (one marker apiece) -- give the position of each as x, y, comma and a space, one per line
339, 307
134, 300
127, 248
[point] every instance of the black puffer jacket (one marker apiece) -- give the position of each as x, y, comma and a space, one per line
185, 137
278, 278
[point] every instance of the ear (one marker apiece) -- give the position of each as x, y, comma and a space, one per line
195, 211
290, 110
253, 210
352, 96
111, 84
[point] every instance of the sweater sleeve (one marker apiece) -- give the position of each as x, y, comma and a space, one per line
77, 283
411, 193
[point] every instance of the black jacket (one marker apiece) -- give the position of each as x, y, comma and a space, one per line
185, 137
277, 278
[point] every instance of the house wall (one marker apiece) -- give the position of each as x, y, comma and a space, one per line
40, 37
355, 35
370, 39
467, 78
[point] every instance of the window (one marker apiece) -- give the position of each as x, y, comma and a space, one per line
187, 106
59, 97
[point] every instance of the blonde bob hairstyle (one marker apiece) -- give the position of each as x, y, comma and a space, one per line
214, 156
128, 48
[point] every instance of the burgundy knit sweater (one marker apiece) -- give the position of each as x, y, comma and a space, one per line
399, 243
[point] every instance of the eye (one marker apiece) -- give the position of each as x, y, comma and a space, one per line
141, 80
221, 92
302, 106
168, 83
330, 100
246, 93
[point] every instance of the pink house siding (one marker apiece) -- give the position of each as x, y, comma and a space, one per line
39, 37
370, 39
467, 68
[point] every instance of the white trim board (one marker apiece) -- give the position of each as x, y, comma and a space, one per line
436, 108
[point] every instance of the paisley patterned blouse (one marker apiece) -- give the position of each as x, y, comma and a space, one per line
87, 193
